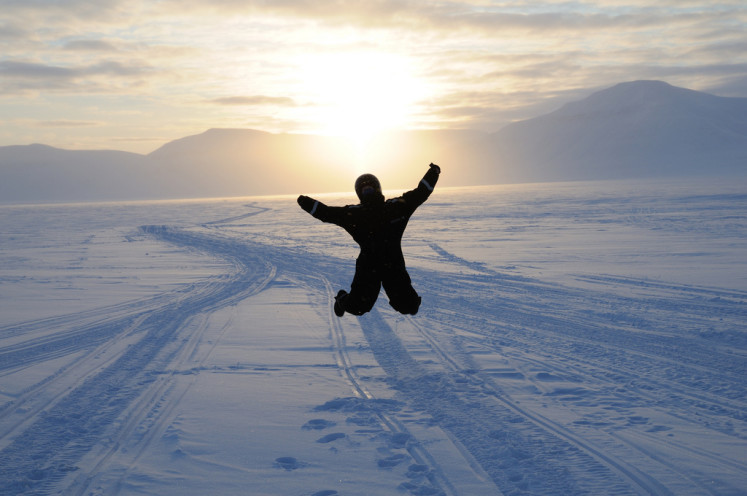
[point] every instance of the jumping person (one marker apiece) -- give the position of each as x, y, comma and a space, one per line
377, 226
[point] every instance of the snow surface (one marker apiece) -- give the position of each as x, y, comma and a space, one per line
574, 338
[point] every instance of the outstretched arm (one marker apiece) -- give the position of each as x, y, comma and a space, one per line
334, 215
309, 204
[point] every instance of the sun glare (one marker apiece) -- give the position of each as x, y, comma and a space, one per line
359, 94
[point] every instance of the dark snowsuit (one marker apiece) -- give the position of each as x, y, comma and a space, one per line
377, 226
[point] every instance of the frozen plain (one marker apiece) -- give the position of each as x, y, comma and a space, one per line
574, 338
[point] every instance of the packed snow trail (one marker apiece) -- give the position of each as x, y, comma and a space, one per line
577, 353
582, 355
577, 349
46, 450
436, 477
505, 383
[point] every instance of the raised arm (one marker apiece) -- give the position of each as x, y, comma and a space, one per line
417, 196
431, 177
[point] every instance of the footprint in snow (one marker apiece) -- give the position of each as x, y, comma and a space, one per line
399, 440
659, 428
392, 461
419, 489
318, 424
548, 377
331, 437
637, 420
417, 470
288, 463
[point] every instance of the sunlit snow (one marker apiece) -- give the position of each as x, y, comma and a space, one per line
574, 338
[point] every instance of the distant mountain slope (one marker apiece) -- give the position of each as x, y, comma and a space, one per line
632, 130
260, 162
636, 129
235, 162
40, 173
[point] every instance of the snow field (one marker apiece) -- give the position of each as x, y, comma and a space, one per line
573, 339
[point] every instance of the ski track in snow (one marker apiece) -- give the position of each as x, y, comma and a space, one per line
546, 388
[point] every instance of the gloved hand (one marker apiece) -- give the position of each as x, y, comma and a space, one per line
437, 168
305, 202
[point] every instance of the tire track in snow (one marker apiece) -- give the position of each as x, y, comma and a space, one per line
620, 353
149, 417
84, 318
229, 220
48, 449
643, 482
586, 335
476, 266
75, 332
521, 451
518, 455
647, 346
42, 395
435, 476
589, 336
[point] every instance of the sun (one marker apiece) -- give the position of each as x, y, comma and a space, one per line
359, 94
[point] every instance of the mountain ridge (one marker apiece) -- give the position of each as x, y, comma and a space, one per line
634, 129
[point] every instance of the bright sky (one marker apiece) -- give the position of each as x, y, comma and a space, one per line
134, 74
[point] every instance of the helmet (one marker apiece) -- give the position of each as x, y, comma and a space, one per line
366, 185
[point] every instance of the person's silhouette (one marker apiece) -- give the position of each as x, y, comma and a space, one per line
377, 226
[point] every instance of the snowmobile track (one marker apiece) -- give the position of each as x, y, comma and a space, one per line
391, 423
48, 449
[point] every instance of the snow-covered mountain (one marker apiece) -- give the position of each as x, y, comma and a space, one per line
635, 129
40, 173
256, 162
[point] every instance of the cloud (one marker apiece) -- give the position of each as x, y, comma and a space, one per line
730, 86
490, 19
114, 68
66, 123
255, 101
482, 63
19, 76
368, 13
18, 69
12, 32
89, 46
729, 50
490, 110
22, 69
83, 10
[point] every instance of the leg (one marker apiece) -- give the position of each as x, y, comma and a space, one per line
364, 290
402, 296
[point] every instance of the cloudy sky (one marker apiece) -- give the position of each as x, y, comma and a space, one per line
133, 74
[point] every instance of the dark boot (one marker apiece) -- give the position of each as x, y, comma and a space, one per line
339, 310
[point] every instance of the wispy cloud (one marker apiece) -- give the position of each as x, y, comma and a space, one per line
62, 123
19, 76
90, 46
10, 31
83, 10
484, 18
484, 63
281, 101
